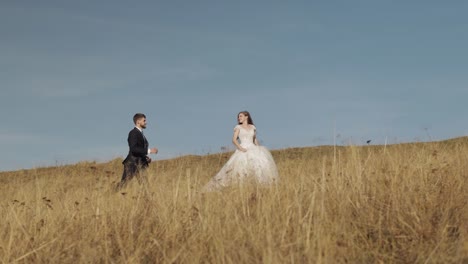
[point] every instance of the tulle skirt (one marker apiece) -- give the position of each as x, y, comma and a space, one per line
256, 164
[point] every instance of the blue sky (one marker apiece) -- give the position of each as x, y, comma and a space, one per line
73, 73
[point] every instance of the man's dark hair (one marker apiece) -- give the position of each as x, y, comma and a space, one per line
138, 116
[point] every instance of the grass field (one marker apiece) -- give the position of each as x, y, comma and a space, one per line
404, 203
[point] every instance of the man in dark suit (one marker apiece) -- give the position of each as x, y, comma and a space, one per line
137, 159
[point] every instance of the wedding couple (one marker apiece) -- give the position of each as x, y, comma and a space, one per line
250, 161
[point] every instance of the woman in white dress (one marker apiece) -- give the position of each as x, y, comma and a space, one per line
250, 161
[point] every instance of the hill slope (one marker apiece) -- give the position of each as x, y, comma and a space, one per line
399, 203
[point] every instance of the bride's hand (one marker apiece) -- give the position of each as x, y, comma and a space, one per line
243, 149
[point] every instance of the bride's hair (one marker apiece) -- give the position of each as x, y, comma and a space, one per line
246, 113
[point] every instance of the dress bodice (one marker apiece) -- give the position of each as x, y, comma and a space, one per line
246, 136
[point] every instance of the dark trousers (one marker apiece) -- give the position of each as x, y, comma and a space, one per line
131, 170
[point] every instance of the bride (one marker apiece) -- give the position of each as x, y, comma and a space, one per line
250, 161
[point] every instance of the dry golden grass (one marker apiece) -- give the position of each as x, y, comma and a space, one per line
403, 203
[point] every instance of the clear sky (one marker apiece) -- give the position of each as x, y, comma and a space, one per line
73, 73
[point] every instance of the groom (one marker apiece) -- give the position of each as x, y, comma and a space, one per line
137, 159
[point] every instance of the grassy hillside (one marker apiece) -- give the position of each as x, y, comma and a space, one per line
402, 203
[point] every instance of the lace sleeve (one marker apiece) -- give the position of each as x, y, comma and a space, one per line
236, 128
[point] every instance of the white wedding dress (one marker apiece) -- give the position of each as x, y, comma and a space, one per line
255, 164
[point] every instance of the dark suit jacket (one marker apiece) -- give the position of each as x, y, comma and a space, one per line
138, 148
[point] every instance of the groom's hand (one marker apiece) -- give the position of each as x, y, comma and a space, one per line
153, 150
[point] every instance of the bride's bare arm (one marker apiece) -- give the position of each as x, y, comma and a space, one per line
255, 139
235, 142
